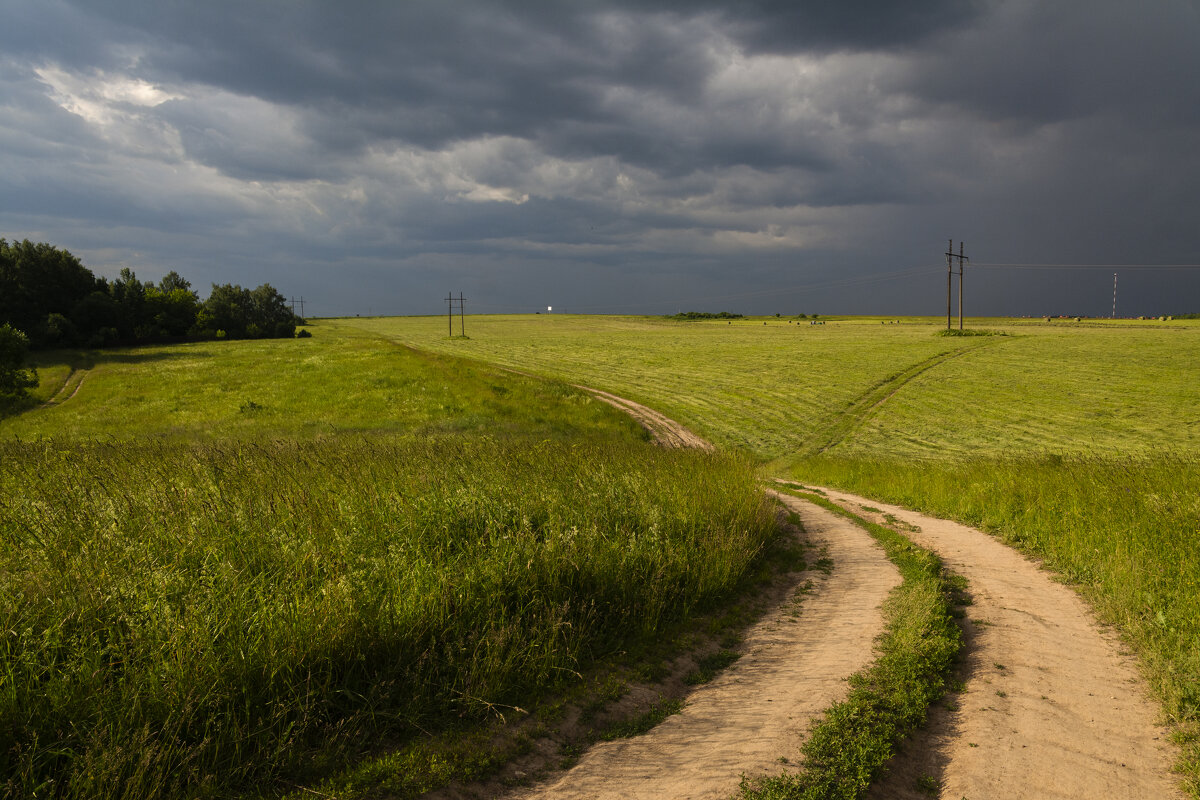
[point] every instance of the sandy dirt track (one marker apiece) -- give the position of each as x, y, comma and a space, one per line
757, 712
1053, 707
665, 431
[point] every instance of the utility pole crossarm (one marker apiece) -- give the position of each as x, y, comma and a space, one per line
962, 258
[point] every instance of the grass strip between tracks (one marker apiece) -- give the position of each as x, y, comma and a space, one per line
850, 745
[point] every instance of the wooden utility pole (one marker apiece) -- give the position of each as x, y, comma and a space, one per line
451, 301
1114, 314
950, 256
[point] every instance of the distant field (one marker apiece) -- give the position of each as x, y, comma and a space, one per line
340, 381
861, 388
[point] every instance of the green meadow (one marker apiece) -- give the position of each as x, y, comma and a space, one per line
779, 388
1076, 442
228, 563
227, 566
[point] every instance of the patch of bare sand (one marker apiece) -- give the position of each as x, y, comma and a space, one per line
755, 714
1053, 707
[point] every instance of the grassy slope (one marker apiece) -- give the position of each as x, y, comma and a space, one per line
764, 388
198, 593
980, 436
339, 381
184, 617
780, 389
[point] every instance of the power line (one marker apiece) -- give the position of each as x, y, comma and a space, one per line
1088, 266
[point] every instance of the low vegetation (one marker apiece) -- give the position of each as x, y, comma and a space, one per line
188, 617
848, 747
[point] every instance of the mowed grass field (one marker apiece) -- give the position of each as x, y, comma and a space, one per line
785, 388
1076, 442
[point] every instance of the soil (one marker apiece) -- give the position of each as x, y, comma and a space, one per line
664, 431
1053, 704
752, 718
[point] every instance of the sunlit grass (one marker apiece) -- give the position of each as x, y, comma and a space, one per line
338, 381
187, 618
779, 389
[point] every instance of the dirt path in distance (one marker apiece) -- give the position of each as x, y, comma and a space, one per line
1053, 707
665, 431
756, 713
69, 389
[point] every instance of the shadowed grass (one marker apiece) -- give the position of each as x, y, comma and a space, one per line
188, 618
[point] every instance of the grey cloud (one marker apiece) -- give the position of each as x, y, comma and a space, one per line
620, 146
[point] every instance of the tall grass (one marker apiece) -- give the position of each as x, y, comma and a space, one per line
181, 619
1124, 530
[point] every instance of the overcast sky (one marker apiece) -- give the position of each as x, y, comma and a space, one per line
614, 156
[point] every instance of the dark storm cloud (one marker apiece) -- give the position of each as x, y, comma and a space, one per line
787, 26
579, 78
628, 145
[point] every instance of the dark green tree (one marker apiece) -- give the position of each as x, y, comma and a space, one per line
15, 379
37, 280
245, 314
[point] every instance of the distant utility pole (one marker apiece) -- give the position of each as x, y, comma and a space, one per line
461, 304
301, 302
950, 256
1114, 314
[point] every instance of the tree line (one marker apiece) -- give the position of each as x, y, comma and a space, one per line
51, 297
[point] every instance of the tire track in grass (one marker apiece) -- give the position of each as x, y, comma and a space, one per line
866, 405
71, 384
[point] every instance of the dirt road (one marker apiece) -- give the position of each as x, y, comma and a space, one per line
1053, 706
665, 431
755, 714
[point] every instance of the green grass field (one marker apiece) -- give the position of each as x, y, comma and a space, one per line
781, 389
226, 564
1078, 442
341, 381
